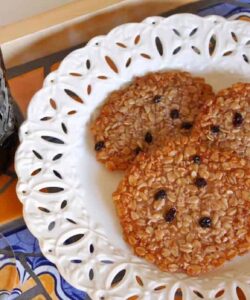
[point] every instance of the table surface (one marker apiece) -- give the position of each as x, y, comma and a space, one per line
36, 278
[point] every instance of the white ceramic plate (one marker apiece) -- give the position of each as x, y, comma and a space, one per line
66, 193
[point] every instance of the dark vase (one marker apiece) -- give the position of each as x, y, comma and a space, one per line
10, 119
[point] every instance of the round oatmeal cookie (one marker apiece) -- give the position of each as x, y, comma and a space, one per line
186, 207
225, 120
144, 113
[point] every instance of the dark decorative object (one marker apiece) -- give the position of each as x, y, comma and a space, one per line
10, 119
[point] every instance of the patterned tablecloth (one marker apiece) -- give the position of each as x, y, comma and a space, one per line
27, 274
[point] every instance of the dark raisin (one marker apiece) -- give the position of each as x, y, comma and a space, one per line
237, 119
99, 146
205, 222
170, 215
157, 99
174, 114
137, 150
197, 159
215, 129
186, 125
148, 138
200, 182
161, 194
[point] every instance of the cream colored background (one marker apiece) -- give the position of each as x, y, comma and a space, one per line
16, 10
72, 24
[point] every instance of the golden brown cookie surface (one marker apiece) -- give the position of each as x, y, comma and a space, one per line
186, 207
225, 121
144, 113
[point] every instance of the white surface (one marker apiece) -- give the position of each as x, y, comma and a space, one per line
12, 11
87, 185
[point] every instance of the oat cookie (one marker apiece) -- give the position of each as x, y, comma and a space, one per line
186, 207
225, 121
144, 113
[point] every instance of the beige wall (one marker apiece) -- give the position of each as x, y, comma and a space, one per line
16, 10
73, 24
